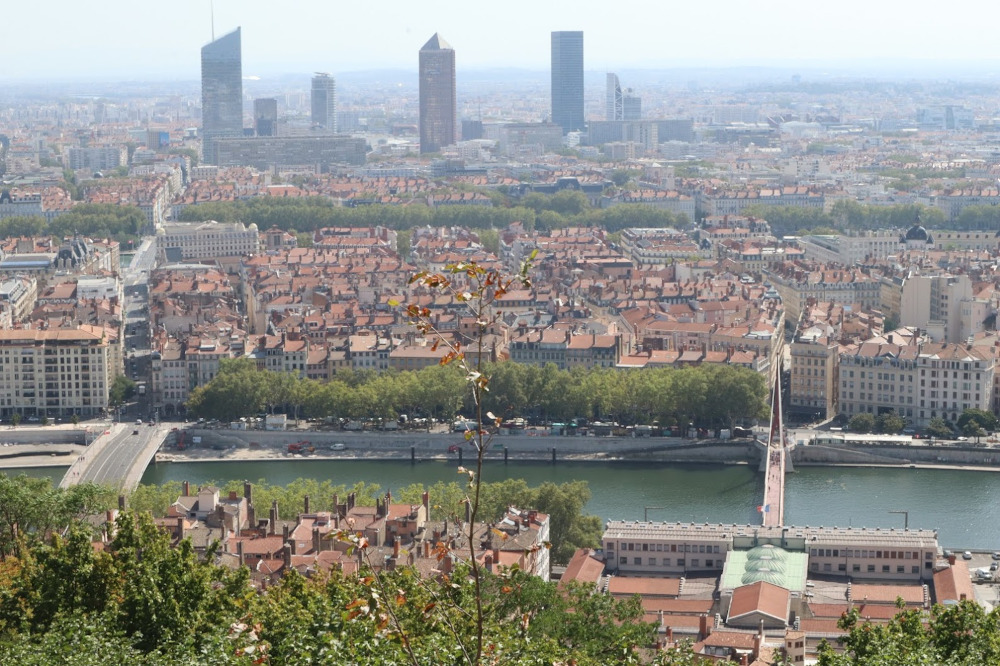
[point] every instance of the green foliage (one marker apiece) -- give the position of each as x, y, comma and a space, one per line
535, 211
845, 216
960, 635
490, 240
889, 423
145, 595
98, 221
304, 239
979, 419
938, 427
621, 177
121, 390
569, 527
863, 422
708, 395
31, 508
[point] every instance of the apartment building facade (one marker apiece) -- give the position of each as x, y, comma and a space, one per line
60, 372
918, 380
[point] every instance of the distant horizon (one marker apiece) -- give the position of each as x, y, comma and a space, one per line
809, 71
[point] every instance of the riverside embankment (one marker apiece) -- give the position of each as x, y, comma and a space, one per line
526, 446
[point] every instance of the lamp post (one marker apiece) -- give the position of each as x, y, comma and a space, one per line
906, 518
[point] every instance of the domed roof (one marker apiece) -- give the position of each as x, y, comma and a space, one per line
766, 552
751, 577
916, 233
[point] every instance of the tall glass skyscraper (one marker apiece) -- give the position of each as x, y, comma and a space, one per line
221, 92
437, 95
324, 101
265, 116
567, 80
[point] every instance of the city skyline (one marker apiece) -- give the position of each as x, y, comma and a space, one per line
88, 46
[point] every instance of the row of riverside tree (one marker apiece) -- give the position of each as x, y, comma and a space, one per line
707, 395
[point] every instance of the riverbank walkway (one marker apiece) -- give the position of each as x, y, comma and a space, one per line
773, 508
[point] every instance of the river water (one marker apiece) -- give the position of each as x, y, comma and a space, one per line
962, 505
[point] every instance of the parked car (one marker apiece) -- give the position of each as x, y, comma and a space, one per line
337, 446
967, 555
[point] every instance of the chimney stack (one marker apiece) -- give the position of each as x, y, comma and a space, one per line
286, 555
305, 504
248, 491
251, 516
426, 498
239, 552
180, 528
187, 489
284, 532
316, 540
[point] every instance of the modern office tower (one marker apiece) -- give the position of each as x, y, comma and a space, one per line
622, 105
324, 101
631, 106
615, 102
437, 95
567, 80
265, 117
472, 130
221, 92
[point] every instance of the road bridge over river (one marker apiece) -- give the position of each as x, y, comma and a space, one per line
118, 457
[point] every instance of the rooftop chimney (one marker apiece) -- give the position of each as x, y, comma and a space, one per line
187, 489
248, 491
305, 504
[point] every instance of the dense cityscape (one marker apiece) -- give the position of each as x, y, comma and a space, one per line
678, 271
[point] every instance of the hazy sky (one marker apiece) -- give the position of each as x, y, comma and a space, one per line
109, 39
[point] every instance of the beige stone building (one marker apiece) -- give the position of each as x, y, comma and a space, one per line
55, 373
919, 380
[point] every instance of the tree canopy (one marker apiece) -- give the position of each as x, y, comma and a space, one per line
708, 395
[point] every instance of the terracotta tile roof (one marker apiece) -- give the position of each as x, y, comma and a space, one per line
887, 594
760, 597
583, 567
647, 587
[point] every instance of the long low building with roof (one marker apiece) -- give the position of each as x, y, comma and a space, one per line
778, 555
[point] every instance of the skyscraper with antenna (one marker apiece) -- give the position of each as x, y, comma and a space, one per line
221, 92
